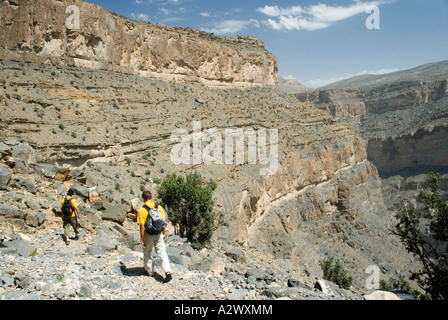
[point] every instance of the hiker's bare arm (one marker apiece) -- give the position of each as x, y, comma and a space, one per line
142, 234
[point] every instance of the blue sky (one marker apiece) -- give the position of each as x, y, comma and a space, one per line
316, 42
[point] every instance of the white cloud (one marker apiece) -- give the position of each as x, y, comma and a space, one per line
290, 77
231, 26
140, 16
275, 11
159, 2
317, 83
315, 17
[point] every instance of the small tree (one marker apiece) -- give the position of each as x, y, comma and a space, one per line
430, 248
190, 207
334, 272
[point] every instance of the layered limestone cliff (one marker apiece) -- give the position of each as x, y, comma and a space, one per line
111, 130
402, 116
349, 102
82, 34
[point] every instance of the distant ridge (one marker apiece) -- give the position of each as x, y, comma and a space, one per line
429, 71
291, 86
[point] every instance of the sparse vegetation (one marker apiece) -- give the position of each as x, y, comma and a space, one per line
400, 283
430, 248
190, 207
334, 272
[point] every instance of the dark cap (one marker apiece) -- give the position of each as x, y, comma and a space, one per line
70, 192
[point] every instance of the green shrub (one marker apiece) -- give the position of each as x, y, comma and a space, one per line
334, 272
190, 207
429, 248
400, 283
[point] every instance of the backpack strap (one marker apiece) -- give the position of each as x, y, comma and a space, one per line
148, 208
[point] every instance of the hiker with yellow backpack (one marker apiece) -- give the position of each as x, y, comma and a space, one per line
70, 216
152, 221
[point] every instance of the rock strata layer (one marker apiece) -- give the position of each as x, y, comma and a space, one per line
108, 133
402, 116
82, 34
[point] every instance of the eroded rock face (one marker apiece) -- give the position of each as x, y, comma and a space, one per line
410, 155
116, 128
37, 30
348, 102
402, 116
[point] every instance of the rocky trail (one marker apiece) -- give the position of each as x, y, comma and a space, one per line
99, 109
106, 262
40, 266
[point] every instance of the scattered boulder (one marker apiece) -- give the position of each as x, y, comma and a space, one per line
102, 243
11, 142
22, 280
25, 152
11, 212
93, 219
31, 220
294, 283
5, 150
174, 255
238, 294
94, 195
32, 204
217, 266
381, 295
56, 208
62, 174
18, 246
236, 254
114, 212
81, 191
5, 176
132, 241
323, 286
46, 170
41, 218
403, 295
23, 183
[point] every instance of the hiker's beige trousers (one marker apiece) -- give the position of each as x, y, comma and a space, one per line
158, 243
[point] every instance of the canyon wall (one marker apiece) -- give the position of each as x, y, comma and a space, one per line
74, 97
37, 31
402, 116
112, 131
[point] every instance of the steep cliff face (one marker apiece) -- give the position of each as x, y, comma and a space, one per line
113, 131
37, 30
402, 116
343, 103
110, 129
410, 155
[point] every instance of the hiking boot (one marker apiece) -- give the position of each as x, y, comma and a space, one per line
67, 242
168, 277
